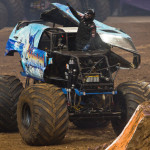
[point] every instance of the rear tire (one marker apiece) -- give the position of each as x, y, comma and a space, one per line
42, 115
130, 95
10, 89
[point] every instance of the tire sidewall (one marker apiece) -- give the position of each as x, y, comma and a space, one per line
25, 131
49, 115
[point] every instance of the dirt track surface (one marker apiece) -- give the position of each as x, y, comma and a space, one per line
83, 139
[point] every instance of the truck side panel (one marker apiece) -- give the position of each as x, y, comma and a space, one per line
25, 41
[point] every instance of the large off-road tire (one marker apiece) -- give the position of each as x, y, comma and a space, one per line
15, 11
130, 95
3, 15
89, 123
10, 89
42, 115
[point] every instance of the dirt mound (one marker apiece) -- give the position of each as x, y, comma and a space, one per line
136, 134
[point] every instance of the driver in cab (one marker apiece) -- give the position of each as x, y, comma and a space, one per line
87, 29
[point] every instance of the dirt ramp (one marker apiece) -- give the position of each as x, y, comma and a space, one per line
136, 134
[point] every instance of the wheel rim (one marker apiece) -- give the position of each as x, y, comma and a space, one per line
26, 115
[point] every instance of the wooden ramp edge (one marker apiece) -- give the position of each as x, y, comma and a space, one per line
136, 134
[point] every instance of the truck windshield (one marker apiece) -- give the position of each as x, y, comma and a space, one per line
59, 42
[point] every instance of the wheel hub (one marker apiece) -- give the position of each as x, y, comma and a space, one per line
26, 115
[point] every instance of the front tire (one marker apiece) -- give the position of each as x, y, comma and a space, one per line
42, 115
130, 95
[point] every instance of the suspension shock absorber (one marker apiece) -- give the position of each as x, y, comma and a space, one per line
72, 71
71, 79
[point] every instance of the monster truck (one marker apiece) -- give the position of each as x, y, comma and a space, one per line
68, 85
